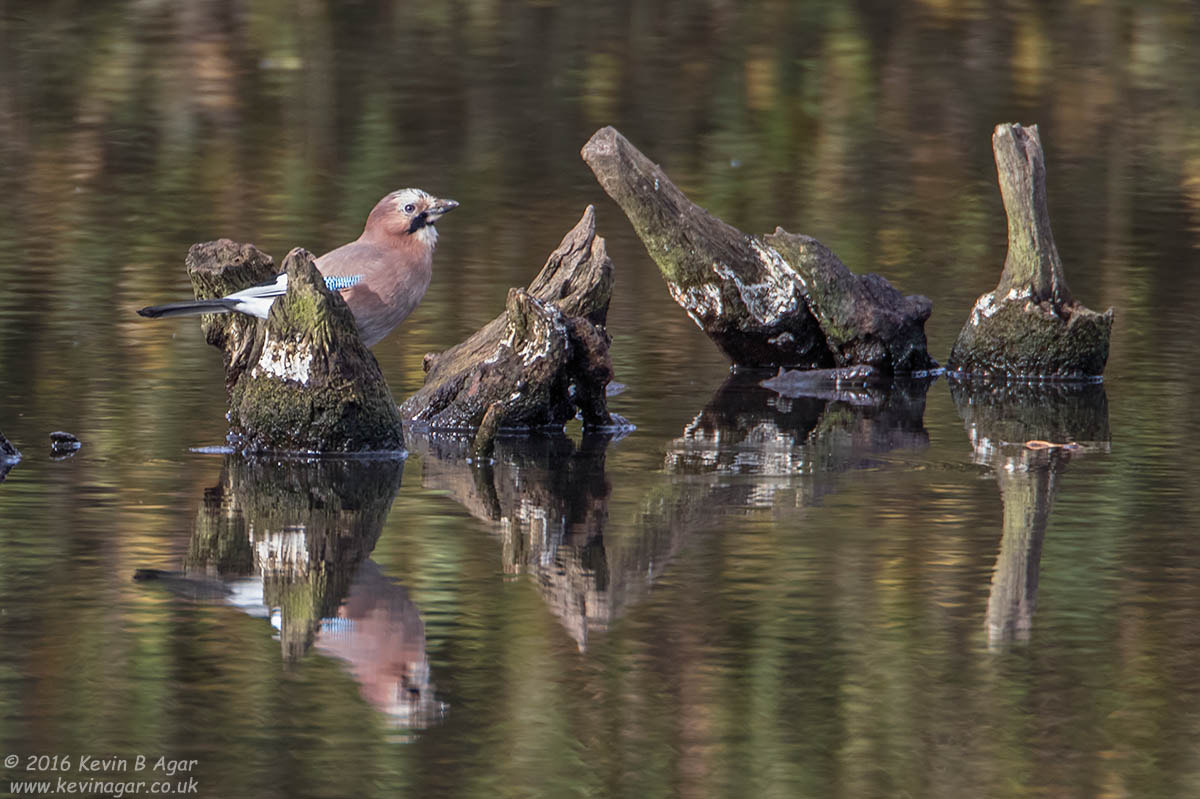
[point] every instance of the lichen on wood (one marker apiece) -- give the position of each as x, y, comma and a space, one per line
302, 380
765, 301
1030, 325
537, 364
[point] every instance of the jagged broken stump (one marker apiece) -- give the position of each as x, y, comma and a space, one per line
302, 380
766, 301
1030, 326
538, 362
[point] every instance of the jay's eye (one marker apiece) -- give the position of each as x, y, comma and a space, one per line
408, 209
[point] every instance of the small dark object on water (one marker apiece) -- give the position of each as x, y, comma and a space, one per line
9, 456
63, 445
8, 453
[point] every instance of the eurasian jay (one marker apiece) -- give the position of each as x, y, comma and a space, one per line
382, 275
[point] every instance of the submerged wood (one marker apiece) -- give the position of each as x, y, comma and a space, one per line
538, 362
765, 300
302, 380
1030, 325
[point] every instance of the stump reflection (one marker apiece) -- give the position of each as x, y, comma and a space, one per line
1000, 418
290, 540
547, 500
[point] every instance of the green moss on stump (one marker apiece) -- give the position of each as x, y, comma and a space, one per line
1027, 339
310, 384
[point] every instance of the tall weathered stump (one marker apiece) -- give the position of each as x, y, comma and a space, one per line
1030, 326
765, 301
301, 380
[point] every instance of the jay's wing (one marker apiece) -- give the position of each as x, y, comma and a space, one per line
257, 300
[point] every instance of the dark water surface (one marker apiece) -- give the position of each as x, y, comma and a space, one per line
866, 595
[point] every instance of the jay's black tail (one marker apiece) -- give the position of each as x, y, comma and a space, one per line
188, 308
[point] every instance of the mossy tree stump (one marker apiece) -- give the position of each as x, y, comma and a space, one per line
538, 362
1030, 325
301, 380
765, 301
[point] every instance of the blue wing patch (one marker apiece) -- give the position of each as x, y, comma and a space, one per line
342, 282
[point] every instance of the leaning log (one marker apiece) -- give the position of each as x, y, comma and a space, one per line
765, 300
1030, 326
301, 380
536, 365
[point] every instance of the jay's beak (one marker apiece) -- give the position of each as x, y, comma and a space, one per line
439, 207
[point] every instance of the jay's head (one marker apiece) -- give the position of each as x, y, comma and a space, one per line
408, 214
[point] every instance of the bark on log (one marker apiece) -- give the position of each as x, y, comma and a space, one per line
1030, 325
766, 301
302, 380
533, 365
217, 269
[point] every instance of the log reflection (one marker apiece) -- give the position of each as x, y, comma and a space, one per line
291, 540
1000, 420
547, 500
746, 429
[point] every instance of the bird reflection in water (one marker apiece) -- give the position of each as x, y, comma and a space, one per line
378, 633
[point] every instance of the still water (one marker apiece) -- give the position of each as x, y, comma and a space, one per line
868, 595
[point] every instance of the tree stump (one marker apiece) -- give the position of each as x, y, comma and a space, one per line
1030, 325
765, 301
536, 363
302, 380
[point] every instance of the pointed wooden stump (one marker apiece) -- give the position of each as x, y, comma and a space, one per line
765, 301
1030, 325
538, 362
